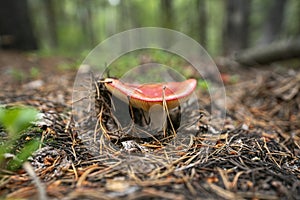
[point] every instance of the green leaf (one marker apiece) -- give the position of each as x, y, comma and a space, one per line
17, 119
23, 155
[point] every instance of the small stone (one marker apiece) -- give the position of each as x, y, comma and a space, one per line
33, 85
245, 127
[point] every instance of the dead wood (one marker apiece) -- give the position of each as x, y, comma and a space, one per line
262, 55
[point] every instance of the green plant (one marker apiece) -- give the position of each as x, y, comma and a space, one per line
16, 74
203, 85
15, 121
138, 58
67, 66
34, 72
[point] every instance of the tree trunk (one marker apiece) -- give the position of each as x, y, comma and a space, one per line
87, 21
236, 29
273, 23
297, 32
16, 30
167, 13
202, 18
51, 22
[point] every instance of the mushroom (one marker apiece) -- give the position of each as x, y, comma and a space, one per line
154, 98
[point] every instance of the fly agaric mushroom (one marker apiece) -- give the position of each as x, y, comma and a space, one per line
147, 96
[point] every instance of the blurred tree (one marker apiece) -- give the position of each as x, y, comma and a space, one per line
167, 17
290, 26
235, 35
86, 18
51, 22
123, 13
202, 19
273, 22
130, 13
16, 31
297, 16
77, 25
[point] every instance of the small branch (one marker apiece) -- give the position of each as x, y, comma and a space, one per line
40, 187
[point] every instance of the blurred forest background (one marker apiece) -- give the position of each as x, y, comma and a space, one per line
74, 27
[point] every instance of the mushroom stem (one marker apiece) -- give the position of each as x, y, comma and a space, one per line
153, 100
165, 108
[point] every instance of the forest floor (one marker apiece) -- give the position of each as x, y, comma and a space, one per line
254, 156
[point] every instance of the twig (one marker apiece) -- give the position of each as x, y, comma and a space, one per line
41, 190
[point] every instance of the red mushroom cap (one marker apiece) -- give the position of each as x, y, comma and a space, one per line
146, 95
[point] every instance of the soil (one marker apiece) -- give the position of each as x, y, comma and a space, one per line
255, 155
